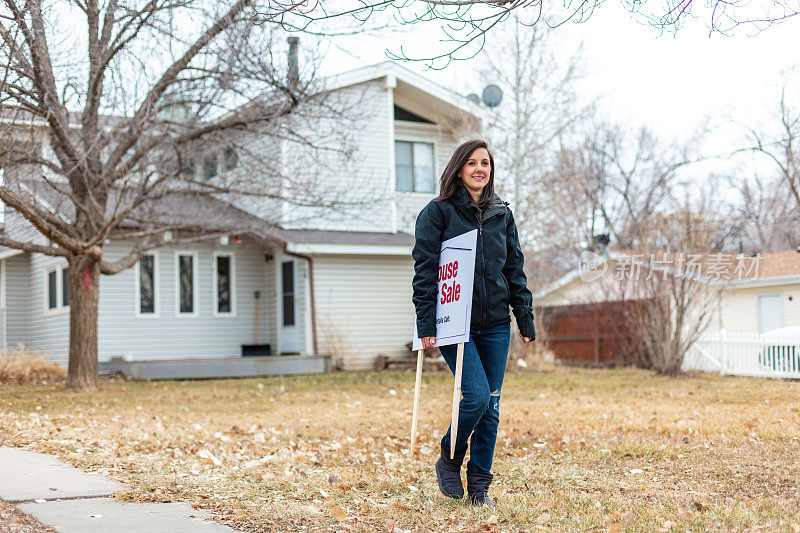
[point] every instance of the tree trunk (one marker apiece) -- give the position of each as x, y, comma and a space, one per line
84, 290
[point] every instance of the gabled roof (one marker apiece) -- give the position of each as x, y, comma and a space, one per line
394, 72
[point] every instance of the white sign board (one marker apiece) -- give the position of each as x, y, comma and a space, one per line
454, 290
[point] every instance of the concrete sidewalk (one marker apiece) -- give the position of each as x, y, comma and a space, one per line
73, 501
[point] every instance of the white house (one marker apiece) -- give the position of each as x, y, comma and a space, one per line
322, 282
744, 301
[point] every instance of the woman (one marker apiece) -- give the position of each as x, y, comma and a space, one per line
466, 202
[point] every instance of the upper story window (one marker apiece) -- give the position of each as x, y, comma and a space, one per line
229, 159
187, 170
408, 116
414, 166
210, 166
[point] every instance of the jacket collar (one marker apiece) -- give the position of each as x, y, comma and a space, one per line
463, 199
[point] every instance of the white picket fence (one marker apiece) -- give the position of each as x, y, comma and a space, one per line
745, 354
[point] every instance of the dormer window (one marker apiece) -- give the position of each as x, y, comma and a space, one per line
230, 159
414, 166
210, 165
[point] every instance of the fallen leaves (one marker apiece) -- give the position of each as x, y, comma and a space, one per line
300, 459
337, 513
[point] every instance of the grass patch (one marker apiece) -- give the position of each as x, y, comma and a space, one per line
578, 449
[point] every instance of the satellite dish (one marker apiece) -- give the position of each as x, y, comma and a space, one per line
492, 96
472, 97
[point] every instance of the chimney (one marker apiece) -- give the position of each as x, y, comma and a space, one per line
294, 70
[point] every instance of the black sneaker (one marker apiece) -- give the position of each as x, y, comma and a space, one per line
448, 475
478, 488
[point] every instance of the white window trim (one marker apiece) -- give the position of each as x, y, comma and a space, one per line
215, 289
432, 142
60, 308
195, 284
137, 301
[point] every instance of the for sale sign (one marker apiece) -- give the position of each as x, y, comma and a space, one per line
454, 290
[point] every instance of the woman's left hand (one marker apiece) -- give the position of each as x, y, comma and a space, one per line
525, 339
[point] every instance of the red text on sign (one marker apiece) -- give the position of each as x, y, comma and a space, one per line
450, 270
450, 293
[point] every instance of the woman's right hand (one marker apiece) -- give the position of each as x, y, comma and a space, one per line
428, 342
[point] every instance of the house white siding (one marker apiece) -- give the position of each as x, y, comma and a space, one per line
363, 307
357, 181
17, 298
48, 330
260, 156
408, 204
739, 309
18, 228
123, 332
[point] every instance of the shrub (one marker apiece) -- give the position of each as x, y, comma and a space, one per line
21, 366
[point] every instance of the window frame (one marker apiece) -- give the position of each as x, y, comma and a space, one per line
215, 288
207, 158
60, 308
177, 272
226, 159
413, 178
138, 287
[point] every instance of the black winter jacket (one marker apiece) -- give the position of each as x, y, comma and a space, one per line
499, 277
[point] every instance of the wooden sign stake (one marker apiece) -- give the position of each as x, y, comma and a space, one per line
416, 400
456, 399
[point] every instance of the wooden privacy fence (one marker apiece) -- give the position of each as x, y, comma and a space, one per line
746, 354
591, 334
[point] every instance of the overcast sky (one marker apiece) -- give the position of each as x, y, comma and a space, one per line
670, 83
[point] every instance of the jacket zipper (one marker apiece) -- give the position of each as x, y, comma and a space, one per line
484, 311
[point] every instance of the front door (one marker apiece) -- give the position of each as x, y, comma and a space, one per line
290, 332
770, 312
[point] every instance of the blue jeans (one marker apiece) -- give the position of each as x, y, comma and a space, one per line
485, 358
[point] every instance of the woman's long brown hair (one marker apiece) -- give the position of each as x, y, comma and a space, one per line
449, 182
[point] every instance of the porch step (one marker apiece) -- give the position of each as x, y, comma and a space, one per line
220, 367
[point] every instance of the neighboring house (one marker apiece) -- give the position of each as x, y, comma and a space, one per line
757, 294
753, 294
323, 282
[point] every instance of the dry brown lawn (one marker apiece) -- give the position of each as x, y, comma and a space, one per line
579, 450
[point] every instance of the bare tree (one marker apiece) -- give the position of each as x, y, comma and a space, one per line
676, 287
769, 207
114, 130
783, 151
540, 106
606, 184
634, 175
764, 221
